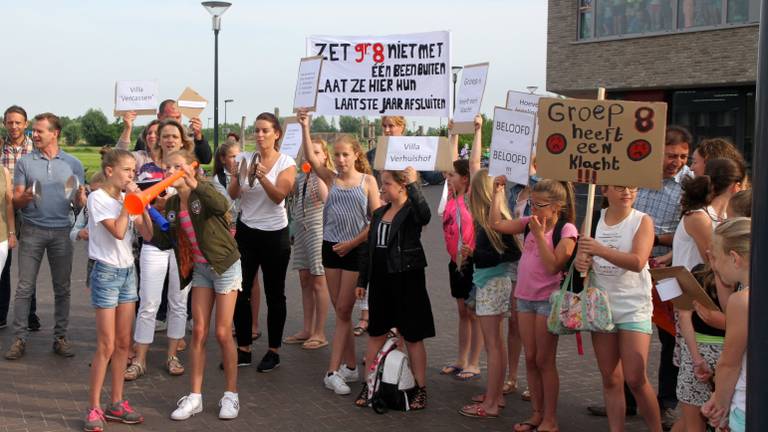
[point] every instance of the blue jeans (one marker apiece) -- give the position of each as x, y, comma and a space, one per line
34, 243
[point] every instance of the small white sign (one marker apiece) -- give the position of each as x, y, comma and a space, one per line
291, 142
418, 152
511, 145
469, 96
139, 96
307, 82
523, 102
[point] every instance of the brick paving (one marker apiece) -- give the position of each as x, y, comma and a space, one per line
44, 392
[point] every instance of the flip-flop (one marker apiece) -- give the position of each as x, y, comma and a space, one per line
476, 411
313, 344
293, 340
530, 427
359, 330
509, 387
451, 370
466, 375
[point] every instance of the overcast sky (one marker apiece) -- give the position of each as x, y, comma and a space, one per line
65, 56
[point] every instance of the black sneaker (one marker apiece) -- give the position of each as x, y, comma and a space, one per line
270, 361
243, 359
34, 323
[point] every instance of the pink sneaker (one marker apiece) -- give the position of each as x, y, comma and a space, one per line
94, 420
123, 412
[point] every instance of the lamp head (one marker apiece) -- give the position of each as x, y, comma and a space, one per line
216, 9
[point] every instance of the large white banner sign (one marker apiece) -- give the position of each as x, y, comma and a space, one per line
408, 75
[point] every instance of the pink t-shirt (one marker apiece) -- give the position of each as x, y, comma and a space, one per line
451, 226
534, 282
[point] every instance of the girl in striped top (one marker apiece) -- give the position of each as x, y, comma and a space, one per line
352, 197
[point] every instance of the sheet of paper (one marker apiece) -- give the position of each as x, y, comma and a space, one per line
138, 96
307, 82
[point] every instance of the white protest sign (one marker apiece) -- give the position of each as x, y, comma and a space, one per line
526, 103
419, 152
511, 145
290, 143
469, 97
406, 75
139, 96
307, 82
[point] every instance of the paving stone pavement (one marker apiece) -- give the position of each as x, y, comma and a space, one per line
44, 392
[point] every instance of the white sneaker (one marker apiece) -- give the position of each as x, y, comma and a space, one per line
230, 406
349, 375
187, 407
336, 383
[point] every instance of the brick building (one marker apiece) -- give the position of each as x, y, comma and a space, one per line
699, 56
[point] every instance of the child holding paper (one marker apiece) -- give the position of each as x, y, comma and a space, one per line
730, 258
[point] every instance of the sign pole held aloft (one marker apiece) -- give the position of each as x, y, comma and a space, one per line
586, 230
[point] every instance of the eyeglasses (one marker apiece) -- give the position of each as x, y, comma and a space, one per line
538, 205
625, 188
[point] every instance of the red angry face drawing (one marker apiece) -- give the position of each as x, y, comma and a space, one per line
556, 143
638, 150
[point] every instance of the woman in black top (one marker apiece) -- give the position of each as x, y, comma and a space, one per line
394, 269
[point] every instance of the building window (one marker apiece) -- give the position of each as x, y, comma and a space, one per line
616, 18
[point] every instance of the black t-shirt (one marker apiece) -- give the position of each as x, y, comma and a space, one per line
699, 326
486, 255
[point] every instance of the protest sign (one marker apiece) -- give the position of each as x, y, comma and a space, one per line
605, 142
306, 83
190, 103
423, 153
290, 142
511, 145
406, 75
469, 97
138, 96
523, 102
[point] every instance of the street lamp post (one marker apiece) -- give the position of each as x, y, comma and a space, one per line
226, 101
455, 70
216, 9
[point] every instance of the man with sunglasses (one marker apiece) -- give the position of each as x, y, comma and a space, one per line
664, 207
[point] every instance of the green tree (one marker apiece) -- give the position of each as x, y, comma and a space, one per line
72, 132
96, 130
320, 124
349, 124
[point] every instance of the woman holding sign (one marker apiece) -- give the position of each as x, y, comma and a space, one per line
352, 196
618, 260
263, 239
492, 290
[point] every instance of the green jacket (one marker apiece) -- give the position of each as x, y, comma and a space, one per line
208, 212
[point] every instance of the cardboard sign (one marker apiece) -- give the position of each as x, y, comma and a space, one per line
138, 96
602, 142
511, 145
413, 151
290, 142
402, 75
305, 95
190, 103
690, 287
469, 97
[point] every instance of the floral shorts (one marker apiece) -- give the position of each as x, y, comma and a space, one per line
689, 389
493, 297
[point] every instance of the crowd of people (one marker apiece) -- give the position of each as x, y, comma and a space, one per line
354, 236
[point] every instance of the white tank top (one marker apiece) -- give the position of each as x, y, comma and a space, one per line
629, 293
739, 399
684, 250
257, 210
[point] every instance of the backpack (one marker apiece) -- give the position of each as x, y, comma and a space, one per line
390, 379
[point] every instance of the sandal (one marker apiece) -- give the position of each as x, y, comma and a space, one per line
174, 366
466, 375
451, 370
295, 340
526, 395
313, 344
134, 371
476, 411
362, 399
529, 427
418, 400
509, 387
360, 329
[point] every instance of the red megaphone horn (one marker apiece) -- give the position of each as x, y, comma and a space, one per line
136, 202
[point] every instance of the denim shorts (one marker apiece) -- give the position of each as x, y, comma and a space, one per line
204, 276
539, 307
111, 286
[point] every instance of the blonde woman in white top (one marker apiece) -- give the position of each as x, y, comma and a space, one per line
618, 255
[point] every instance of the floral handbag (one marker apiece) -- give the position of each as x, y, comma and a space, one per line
588, 310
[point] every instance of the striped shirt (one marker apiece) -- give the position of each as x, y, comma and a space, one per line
186, 225
346, 212
11, 154
382, 234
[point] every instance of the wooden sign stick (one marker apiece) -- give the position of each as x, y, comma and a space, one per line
586, 230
